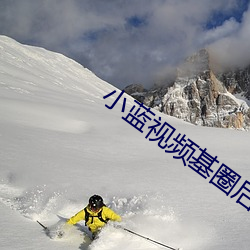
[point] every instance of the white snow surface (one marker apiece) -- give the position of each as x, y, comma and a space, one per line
59, 145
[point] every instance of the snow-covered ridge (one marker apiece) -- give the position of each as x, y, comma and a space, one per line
49, 68
33, 74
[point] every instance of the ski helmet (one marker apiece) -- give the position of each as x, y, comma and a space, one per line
95, 202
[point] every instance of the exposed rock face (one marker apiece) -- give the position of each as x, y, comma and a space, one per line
136, 90
237, 81
198, 96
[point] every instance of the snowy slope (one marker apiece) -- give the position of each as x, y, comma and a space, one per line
60, 144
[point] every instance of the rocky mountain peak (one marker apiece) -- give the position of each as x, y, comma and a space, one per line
197, 64
200, 96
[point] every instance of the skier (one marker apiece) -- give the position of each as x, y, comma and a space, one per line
95, 214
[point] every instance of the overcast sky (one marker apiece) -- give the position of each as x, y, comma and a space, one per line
131, 41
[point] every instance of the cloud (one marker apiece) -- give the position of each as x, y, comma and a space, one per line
232, 50
121, 41
228, 28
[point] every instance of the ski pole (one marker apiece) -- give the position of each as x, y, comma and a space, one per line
45, 228
146, 238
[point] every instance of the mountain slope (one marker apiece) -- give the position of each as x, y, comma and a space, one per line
60, 144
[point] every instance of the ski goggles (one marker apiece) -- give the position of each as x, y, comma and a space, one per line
94, 208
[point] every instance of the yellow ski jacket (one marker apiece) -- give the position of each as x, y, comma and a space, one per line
94, 223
